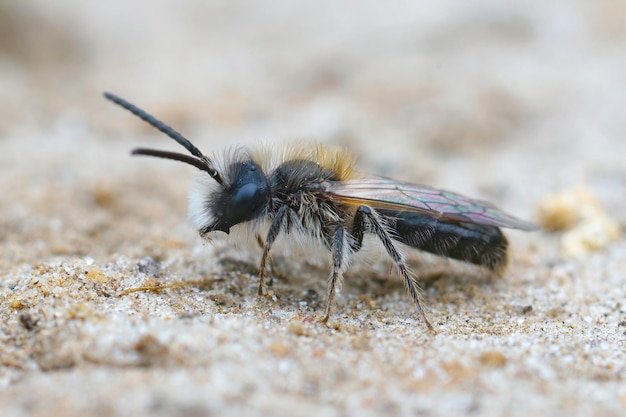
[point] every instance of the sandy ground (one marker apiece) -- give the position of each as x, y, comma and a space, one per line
514, 103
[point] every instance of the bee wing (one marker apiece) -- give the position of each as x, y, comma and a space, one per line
385, 193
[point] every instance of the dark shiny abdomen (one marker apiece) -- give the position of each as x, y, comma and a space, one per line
474, 243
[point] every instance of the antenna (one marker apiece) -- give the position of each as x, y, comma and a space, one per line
201, 162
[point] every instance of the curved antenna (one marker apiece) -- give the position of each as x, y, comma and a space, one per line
201, 162
198, 163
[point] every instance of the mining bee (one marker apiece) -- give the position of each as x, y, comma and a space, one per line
314, 191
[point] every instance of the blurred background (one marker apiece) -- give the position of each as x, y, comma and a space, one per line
512, 102
506, 101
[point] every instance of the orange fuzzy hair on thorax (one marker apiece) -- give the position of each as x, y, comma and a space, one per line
338, 160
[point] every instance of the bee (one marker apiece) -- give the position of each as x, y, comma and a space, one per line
315, 191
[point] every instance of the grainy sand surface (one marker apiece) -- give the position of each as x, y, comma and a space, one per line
515, 103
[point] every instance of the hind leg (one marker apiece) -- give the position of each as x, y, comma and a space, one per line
383, 235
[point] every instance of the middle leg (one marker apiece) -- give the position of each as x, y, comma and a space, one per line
339, 247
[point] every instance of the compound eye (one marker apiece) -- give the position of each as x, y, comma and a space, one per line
244, 196
244, 203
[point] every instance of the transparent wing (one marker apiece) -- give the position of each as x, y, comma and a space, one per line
386, 193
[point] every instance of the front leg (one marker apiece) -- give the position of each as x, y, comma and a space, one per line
272, 234
261, 243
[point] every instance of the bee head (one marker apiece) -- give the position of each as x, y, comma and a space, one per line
236, 194
243, 196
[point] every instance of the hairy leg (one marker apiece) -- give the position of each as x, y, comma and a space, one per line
272, 234
410, 283
339, 245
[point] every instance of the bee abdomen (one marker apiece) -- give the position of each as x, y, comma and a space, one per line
474, 243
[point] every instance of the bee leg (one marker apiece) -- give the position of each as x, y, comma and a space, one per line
358, 231
411, 284
339, 245
275, 228
261, 243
